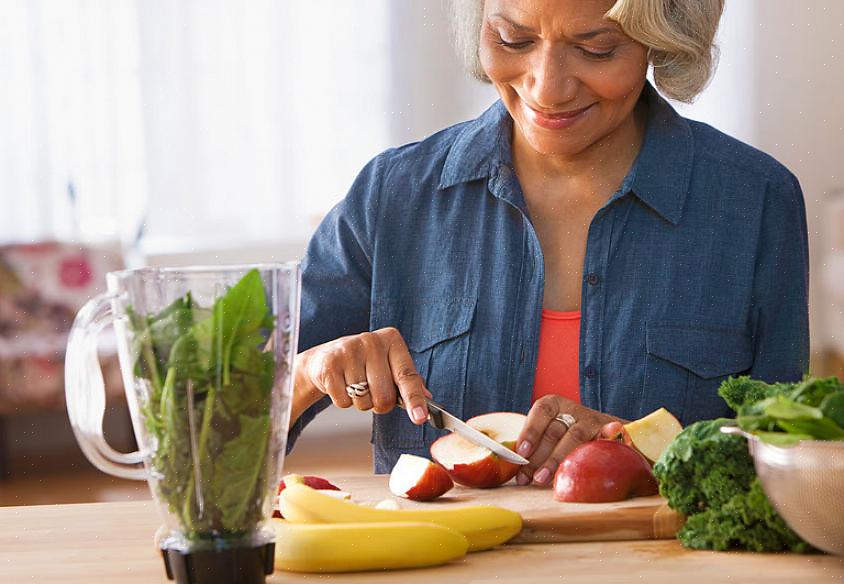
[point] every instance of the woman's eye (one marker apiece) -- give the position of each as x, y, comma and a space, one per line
597, 55
514, 45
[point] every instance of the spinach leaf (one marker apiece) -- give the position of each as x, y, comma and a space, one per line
237, 472
210, 375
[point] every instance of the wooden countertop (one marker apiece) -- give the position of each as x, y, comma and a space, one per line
113, 543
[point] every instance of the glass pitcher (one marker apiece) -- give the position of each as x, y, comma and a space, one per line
206, 356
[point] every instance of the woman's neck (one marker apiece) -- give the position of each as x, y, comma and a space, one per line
599, 169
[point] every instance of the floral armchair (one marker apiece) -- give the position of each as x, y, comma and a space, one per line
41, 288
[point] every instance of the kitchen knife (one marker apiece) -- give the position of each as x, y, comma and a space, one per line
439, 418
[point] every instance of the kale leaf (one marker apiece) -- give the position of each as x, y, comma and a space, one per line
745, 521
704, 467
709, 476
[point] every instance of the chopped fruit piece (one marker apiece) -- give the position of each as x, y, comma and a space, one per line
418, 478
476, 466
652, 434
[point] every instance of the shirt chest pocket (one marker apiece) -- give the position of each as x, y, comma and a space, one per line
686, 363
437, 333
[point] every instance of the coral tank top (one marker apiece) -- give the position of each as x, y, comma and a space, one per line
557, 362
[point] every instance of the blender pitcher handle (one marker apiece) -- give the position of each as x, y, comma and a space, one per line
85, 392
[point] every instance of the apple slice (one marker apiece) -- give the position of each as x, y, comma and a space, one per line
311, 481
418, 478
314, 482
475, 466
652, 434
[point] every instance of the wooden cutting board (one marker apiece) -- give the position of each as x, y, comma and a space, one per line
545, 520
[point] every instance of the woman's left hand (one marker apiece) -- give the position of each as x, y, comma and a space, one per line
545, 441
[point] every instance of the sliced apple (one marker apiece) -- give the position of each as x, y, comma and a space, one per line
314, 482
652, 434
475, 466
418, 478
311, 481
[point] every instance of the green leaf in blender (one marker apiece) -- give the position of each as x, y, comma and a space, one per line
210, 379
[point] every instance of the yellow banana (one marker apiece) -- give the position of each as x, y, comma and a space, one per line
352, 547
483, 526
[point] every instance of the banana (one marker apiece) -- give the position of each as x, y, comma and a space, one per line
353, 547
483, 526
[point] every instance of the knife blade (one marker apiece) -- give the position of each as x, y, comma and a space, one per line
440, 418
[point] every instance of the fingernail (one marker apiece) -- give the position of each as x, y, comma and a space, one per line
542, 475
522, 479
419, 414
524, 448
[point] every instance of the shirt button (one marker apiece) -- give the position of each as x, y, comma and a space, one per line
592, 279
590, 372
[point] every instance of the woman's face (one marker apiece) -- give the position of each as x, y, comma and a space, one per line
568, 76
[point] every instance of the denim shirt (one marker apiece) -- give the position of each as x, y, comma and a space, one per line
696, 269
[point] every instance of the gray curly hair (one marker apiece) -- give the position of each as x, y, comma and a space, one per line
679, 35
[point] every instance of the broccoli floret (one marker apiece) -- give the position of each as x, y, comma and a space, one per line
746, 521
703, 467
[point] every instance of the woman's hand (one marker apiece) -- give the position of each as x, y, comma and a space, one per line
545, 441
379, 358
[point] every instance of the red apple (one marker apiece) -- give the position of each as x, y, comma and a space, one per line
602, 471
476, 466
314, 482
418, 478
652, 434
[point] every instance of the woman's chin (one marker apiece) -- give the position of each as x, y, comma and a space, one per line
556, 147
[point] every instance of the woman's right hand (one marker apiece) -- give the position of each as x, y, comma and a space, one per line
380, 358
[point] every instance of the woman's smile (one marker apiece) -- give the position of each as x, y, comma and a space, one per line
559, 120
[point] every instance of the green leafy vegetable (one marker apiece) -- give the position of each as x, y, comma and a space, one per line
746, 521
832, 407
210, 383
709, 476
795, 410
703, 467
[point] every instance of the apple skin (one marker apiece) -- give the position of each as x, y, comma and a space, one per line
603, 471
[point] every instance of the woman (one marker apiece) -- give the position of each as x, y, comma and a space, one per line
579, 252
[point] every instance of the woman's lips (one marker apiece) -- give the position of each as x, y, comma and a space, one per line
555, 121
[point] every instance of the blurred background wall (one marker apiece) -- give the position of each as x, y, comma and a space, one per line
213, 131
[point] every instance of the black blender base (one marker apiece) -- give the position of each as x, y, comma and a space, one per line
244, 565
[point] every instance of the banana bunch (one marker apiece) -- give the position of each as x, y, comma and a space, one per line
321, 533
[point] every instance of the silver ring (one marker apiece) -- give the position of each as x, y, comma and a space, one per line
566, 419
357, 389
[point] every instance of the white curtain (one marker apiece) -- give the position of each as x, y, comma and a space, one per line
196, 123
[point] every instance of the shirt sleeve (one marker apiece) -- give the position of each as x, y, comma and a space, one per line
781, 287
337, 275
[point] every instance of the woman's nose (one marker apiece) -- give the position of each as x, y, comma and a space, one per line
553, 81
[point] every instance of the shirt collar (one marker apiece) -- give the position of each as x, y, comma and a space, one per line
659, 177
482, 146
